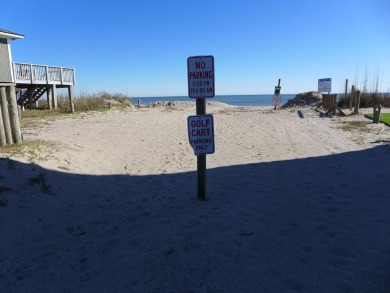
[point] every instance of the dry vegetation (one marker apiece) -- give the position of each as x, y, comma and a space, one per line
86, 102
371, 93
367, 100
33, 150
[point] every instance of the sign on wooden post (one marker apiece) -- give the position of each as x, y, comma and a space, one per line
201, 85
324, 85
201, 134
200, 76
276, 97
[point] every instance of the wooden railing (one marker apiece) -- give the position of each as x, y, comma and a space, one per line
40, 74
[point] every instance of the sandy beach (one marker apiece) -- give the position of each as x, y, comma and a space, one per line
292, 205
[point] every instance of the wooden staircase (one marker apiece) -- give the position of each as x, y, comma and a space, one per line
37, 92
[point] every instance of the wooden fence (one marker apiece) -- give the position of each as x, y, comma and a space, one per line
329, 104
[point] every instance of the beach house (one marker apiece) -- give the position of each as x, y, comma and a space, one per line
24, 84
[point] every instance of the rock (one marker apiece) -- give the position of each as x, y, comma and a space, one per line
304, 99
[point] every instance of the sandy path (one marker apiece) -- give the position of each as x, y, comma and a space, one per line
154, 140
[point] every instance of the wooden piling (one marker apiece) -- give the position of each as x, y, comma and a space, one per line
3, 140
30, 98
49, 98
357, 102
352, 98
346, 88
14, 115
376, 113
54, 96
5, 114
70, 95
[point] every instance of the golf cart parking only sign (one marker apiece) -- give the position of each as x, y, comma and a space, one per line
201, 134
200, 76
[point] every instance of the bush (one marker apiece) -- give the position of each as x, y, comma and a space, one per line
367, 100
94, 102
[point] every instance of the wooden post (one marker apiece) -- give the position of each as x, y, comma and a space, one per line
54, 96
4, 110
357, 102
30, 98
70, 95
352, 98
201, 159
48, 98
334, 103
14, 116
376, 113
18, 96
3, 139
277, 93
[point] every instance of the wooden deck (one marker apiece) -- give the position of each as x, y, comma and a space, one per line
32, 74
34, 81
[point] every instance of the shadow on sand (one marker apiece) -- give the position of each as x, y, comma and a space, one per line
318, 224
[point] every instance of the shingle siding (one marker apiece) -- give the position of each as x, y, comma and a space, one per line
5, 63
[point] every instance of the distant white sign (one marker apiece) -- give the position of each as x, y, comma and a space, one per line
325, 85
276, 100
201, 134
200, 77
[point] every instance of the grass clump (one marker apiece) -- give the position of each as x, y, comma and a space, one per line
367, 100
100, 101
37, 117
83, 103
371, 92
33, 150
359, 126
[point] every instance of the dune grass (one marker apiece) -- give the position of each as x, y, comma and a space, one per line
371, 90
100, 101
96, 102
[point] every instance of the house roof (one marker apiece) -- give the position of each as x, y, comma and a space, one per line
10, 35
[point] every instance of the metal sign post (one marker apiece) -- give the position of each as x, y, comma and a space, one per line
200, 86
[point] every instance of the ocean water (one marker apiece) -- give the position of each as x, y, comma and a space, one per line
234, 100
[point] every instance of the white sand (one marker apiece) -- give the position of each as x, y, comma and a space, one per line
292, 205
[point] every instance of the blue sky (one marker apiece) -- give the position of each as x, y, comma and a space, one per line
140, 48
